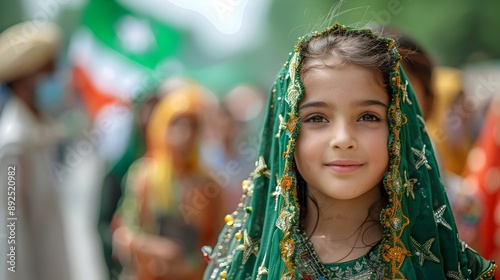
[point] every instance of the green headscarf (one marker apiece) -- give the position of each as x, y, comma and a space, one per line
262, 240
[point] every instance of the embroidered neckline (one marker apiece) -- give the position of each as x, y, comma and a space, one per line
309, 265
361, 268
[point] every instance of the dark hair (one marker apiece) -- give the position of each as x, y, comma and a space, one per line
337, 48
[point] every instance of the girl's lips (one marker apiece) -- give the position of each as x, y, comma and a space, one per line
344, 166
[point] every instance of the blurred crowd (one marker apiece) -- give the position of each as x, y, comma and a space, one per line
173, 163
171, 157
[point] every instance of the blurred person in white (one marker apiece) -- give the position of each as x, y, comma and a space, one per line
33, 245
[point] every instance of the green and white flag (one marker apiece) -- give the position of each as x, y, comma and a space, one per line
123, 53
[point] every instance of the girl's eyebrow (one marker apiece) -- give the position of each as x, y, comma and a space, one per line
314, 104
369, 102
357, 103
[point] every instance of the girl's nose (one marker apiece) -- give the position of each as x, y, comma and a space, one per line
342, 137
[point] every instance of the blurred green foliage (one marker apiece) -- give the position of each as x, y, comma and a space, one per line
454, 32
11, 12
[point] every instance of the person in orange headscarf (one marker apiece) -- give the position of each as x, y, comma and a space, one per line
170, 203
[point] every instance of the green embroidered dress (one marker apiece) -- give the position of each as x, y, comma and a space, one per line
262, 239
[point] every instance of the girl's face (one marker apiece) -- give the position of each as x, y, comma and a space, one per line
341, 149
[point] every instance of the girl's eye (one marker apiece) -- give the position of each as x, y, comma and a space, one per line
315, 119
369, 118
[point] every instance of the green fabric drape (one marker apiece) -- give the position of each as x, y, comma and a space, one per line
260, 239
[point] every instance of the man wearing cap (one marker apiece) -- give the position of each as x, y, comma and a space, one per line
32, 245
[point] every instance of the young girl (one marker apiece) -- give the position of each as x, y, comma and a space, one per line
346, 185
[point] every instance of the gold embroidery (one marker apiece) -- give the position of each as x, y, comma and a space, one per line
284, 221
292, 123
287, 246
286, 182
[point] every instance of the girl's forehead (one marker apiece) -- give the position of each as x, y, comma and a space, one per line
343, 87
351, 70
327, 60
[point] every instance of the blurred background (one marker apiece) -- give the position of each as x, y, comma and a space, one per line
117, 54
224, 44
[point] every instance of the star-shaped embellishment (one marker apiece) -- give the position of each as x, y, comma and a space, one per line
439, 219
422, 158
409, 184
455, 274
277, 192
406, 98
281, 126
261, 168
423, 251
262, 270
248, 247
421, 119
